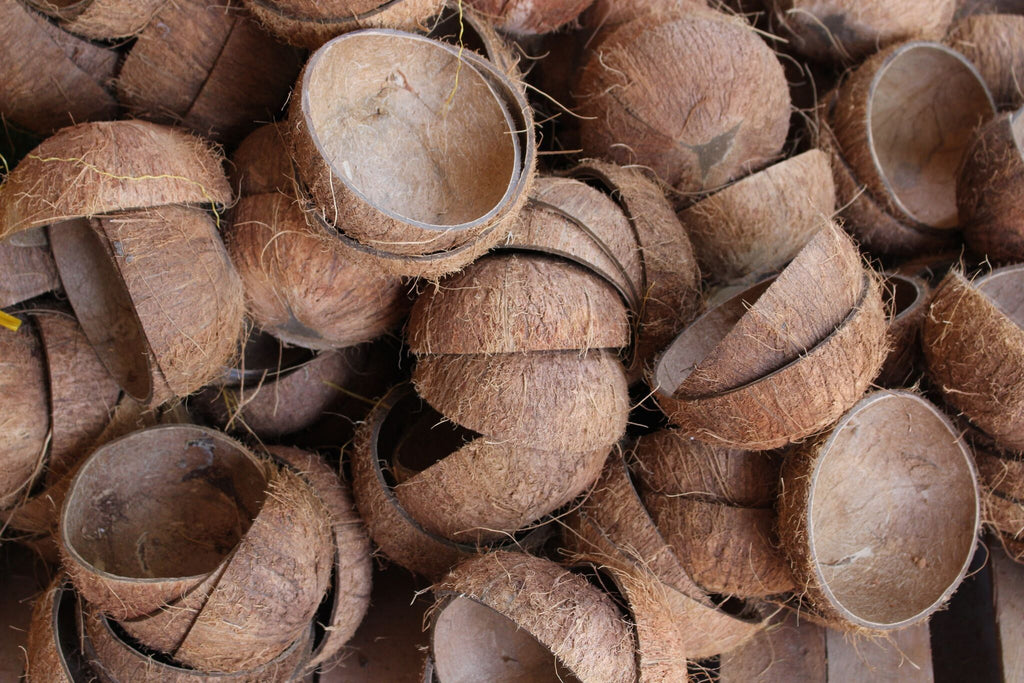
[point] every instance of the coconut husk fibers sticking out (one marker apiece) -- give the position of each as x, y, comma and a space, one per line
156, 295
311, 23
605, 15
548, 618
992, 43
758, 224
791, 403
261, 163
693, 121
788, 649
27, 273
973, 339
1002, 491
907, 300
894, 112
989, 187
26, 412
879, 516
48, 78
101, 19
53, 652
459, 24
100, 168
526, 17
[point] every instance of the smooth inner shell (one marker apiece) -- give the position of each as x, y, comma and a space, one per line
901, 294
893, 511
1005, 288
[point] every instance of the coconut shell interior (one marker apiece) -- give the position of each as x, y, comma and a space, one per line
1005, 288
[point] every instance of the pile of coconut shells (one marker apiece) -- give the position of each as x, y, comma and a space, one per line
523, 341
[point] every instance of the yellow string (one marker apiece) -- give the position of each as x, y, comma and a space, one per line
10, 322
458, 68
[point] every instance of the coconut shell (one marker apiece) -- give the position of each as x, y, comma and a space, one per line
557, 401
907, 300
517, 303
692, 121
1003, 475
27, 273
973, 339
99, 168
988, 189
531, 608
992, 44
462, 25
101, 19
26, 413
788, 649
894, 112
526, 17
794, 401
52, 650
907, 656
758, 224
861, 564
48, 78
170, 296
261, 163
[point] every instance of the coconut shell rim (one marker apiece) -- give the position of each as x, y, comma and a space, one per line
326, 21
920, 293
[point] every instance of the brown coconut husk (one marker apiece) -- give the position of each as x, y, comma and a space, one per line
548, 618
637, 109
27, 273
547, 400
992, 44
311, 23
905, 656
261, 163
989, 186
459, 24
526, 17
100, 168
851, 552
973, 339
514, 303
101, 19
48, 78
1004, 475
758, 224
894, 111
846, 31
675, 465
162, 307
792, 402
53, 651
605, 15
788, 649
907, 300
26, 412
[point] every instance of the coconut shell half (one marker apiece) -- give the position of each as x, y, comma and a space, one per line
861, 564
907, 299
25, 410
53, 650
27, 272
526, 17
101, 19
992, 42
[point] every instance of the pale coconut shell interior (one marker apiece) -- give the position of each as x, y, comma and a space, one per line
1005, 288
902, 295
923, 107
264, 357
893, 511
398, 129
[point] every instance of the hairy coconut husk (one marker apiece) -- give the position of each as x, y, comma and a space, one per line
156, 294
53, 650
27, 272
788, 649
894, 112
311, 23
261, 163
907, 300
989, 187
973, 339
526, 17
459, 24
966, 8
26, 413
100, 168
693, 121
758, 224
848, 30
675, 465
514, 303
207, 67
559, 401
547, 617
1001, 474
992, 43
48, 78
852, 553
794, 401
101, 19
605, 15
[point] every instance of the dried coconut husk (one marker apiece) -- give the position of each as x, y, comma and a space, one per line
552, 622
101, 19
311, 23
675, 465
1002, 474
53, 650
894, 112
989, 187
261, 163
156, 294
527, 17
605, 15
558, 400
758, 224
27, 272
459, 24
207, 67
792, 402
513, 303
694, 121
992, 43
879, 516
907, 300
99, 168
49, 78
788, 649
25, 411
973, 339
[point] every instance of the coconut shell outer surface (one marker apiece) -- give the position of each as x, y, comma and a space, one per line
992, 42
562, 611
908, 299
692, 121
98, 168
262, 163
101, 19
527, 17
45, 655
27, 273
26, 412
989, 188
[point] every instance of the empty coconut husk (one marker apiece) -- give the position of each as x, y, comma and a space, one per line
53, 651
27, 272
459, 24
99, 168
973, 339
261, 163
787, 649
907, 300
311, 23
156, 295
758, 224
605, 15
1002, 489
101, 19
989, 187
48, 78
788, 404
695, 122
514, 303
26, 412
525, 17
859, 566
206, 67
992, 43
514, 617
